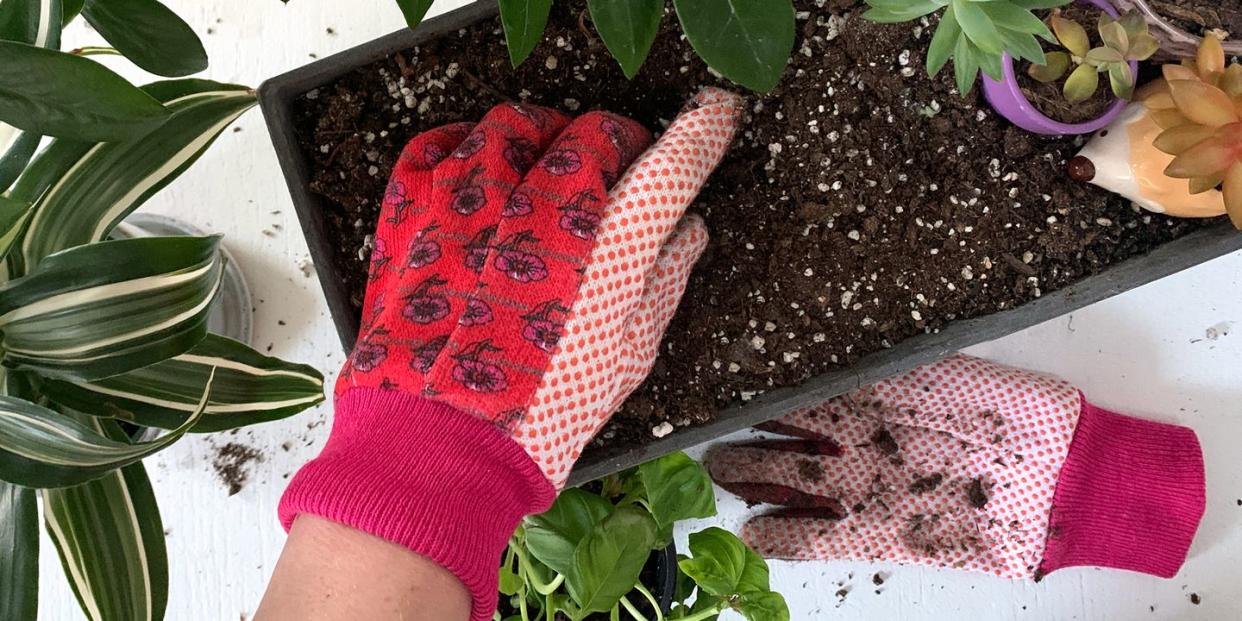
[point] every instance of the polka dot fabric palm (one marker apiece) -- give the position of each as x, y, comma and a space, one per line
954, 465
633, 282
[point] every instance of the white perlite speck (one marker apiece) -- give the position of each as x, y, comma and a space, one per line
661, 430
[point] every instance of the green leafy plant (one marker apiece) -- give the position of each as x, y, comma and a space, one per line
747, 41
1124, 40
974, 34
584, 556
102, 340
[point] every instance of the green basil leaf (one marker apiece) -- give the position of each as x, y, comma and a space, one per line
247, 388
524, 22
110, 540
149, 34
762, 606
609, 559
41, 91
747, 41
717, 563
510, 583
112, 180
552, 536
100, 310
414, 11
628, 28
19, 553
678, 488
755, 576
40, 447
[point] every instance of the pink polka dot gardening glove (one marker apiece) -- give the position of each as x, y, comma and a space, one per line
971, 465
524, 271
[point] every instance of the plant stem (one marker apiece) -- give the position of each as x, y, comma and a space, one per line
522, 609
638, 616
655, 605
540, 588
705, 614
95, 51
615, 613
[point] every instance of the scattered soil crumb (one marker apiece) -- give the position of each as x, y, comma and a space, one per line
231, 464
1195, 599
976, 493
926, 484
810, 471
884, 441
878, 579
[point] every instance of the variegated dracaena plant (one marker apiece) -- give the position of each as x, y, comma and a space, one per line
101, 338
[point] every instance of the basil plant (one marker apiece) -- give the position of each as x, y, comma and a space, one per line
101, 340
583, 559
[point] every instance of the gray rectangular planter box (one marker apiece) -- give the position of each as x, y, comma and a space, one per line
278, 95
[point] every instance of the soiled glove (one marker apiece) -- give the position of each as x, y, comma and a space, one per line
972, 465
515, 302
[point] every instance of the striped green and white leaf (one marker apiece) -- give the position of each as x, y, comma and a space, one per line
108, 308
41, 447
19, 553
13, 215
110, 540
36, 22
248, 388
112, 180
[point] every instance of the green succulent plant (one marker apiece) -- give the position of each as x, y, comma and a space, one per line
102, 340
974, 34
1124, 40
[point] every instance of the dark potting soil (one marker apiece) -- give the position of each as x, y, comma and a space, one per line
1200, 16
1049, 98
863, 202
232, 463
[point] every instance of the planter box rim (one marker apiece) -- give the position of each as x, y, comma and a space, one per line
277, 96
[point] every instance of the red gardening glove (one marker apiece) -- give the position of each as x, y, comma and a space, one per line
971, 465
515, 301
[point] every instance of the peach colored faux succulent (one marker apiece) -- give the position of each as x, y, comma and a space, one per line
1198, 104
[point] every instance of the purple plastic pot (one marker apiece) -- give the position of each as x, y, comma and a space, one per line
1007, 99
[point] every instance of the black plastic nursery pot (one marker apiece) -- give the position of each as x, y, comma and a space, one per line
279, 95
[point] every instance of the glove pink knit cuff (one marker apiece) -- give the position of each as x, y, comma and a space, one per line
423, 475
1130, 496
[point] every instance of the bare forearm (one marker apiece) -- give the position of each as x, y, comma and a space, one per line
331, 572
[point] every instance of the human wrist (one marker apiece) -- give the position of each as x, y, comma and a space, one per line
423, 475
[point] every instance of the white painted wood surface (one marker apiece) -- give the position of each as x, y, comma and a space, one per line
1144, 353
